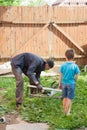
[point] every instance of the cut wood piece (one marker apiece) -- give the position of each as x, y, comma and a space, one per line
45, 88
50, 92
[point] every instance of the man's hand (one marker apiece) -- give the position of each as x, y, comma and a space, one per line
39, 86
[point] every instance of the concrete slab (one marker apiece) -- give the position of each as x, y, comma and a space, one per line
27, 126
22, 125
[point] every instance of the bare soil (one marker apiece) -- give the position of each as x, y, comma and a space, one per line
10, 119
14, 119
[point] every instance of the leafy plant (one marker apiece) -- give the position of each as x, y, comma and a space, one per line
37, 2
10, 2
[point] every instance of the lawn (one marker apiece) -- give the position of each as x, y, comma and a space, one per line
46, 109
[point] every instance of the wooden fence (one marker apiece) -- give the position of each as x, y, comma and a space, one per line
45, 31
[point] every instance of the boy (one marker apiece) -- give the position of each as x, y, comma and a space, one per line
69, 72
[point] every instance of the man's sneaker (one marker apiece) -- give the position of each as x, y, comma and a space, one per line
18, 105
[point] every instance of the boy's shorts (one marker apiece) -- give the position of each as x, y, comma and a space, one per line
68, 91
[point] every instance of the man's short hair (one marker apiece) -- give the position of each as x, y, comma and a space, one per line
50, 63
69, 54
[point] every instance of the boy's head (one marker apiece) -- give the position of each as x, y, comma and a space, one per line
69, 54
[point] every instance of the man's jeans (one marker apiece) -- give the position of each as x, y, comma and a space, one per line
19, 83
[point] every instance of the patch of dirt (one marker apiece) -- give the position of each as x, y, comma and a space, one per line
11, 118
13, 121
2, 126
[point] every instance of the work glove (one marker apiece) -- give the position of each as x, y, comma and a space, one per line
40, 87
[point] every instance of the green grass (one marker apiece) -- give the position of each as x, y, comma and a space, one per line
46, 109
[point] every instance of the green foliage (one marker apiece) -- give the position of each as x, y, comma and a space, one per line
10, 2
18, 2
50, 81
47, 109
37, 2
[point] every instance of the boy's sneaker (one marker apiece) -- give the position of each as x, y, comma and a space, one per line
68, 114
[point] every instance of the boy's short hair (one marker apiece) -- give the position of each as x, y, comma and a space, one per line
69, 54
50, 63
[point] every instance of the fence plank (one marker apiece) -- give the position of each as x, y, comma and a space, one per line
68, 37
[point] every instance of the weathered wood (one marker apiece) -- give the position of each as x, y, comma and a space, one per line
42, 14
45, 88
69, 38
30, 39
43, 22
52, 92
62, 57
21, 30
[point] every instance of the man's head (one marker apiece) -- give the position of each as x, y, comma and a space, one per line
69, 54
49, 64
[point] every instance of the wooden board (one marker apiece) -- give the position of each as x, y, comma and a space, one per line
45, 88
51, 94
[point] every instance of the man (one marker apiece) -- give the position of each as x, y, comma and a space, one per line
31, 65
